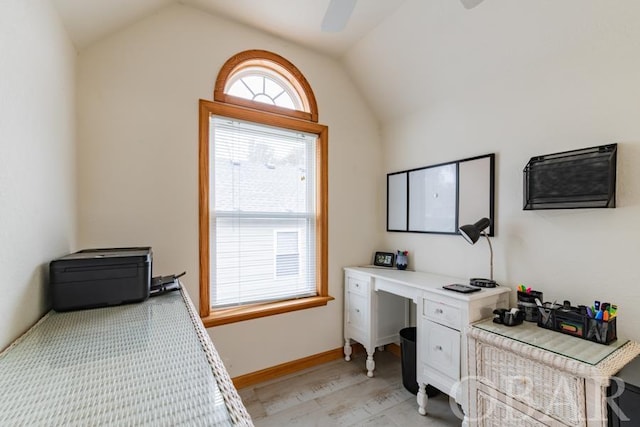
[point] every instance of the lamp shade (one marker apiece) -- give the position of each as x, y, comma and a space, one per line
470, 4
471, 232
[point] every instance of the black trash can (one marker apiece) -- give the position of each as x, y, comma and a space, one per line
624, 393
408, 356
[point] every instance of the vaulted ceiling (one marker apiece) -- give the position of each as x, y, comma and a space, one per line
298, 20
408, 55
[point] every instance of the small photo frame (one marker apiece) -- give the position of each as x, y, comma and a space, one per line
384, 259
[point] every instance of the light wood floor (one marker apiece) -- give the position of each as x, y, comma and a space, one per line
339, 393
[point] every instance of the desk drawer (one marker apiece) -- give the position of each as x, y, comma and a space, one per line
357, 312
441, 348
539, 386
357, 285
495, 413
442, 313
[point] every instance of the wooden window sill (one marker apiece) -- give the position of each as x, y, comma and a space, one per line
254, 311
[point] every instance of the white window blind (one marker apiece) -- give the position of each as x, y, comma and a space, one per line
262, 213
287, 254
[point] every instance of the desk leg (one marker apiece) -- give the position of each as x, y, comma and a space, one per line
371, 365
347, 349
422, 399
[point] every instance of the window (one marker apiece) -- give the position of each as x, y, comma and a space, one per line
255, 84
263, 193
263, 181
287, 254
256, 67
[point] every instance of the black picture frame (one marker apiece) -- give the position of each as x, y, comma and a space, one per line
384, 259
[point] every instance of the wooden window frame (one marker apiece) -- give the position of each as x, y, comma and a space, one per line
275, 63
303, 121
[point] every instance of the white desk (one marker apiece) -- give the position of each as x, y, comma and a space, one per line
377, 307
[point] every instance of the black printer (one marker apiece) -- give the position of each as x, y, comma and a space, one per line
100, 277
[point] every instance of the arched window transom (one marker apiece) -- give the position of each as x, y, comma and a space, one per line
266, 81
263, 85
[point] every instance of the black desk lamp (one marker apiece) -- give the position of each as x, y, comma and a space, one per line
471, 233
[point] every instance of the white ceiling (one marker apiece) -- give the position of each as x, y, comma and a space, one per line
298, 20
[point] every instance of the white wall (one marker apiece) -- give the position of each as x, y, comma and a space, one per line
519, 79
138, 93
37, 169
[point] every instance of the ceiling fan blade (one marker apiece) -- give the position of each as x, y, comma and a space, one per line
337, 15
470, 4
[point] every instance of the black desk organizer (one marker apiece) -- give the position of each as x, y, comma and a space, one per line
527, 303
584, 178
574, 321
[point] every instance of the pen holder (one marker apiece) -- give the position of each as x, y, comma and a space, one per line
546, 317
573, 321
600, 331
401, 262
570, 322
527, 303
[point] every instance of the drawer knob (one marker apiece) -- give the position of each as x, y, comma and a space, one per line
439, 347
357, 285
439, 311
357, 310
